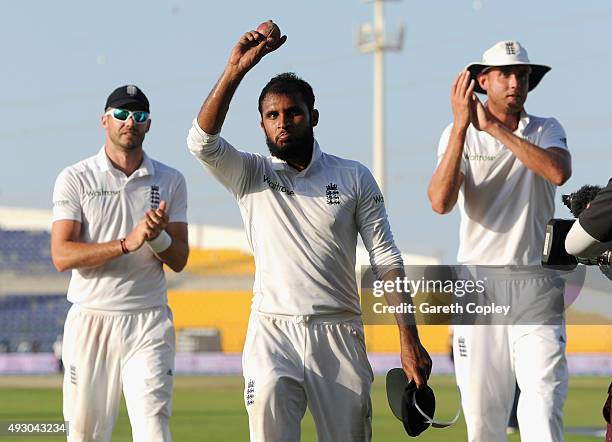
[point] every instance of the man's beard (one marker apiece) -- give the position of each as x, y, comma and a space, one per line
298, 150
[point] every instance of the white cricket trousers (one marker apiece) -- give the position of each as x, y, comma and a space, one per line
489, 358
106, 352
291, 362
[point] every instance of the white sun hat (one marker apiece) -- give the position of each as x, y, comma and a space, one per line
506, 53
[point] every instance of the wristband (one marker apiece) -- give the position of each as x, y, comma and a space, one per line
124, 248
161, 243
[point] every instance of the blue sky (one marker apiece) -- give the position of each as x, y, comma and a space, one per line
62, 59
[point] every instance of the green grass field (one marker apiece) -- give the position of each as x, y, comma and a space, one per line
211, 409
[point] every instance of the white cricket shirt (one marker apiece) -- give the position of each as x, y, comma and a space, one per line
504, 206
302, 226
109, 205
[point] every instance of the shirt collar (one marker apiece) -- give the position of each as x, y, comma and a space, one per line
146, 167
278, 164
104, 163
523, 121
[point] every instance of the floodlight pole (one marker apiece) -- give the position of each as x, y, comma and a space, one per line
379, 95
372, 39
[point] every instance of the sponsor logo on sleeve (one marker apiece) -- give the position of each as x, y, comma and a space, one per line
378, 199
61, 203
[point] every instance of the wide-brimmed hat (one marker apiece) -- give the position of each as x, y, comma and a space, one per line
506, 53
414, 407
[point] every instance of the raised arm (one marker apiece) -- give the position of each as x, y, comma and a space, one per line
251, 48
552, 162
446, 181
231, 167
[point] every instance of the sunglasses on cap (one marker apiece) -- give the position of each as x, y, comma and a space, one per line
139, 117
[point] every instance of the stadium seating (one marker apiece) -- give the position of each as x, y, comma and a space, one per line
25, 252
31, 321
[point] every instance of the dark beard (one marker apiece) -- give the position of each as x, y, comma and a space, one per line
299, 150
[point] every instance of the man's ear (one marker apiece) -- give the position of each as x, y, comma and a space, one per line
483, 81
314, 117
104, 121
261, 124
148, 125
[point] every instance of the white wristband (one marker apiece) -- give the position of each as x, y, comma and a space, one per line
161, 243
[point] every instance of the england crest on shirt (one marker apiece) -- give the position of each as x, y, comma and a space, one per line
332, 194
154, 197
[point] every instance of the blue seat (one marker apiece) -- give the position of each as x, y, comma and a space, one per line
26, 251
37, 319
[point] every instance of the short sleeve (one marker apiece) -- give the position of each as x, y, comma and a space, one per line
443, 145
553, 135
177, 206
66, 197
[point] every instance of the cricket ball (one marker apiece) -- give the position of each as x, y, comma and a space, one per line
269, 29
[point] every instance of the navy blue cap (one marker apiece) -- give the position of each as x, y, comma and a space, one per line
128, 97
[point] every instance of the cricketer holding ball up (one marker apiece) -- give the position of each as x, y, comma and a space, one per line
302, 209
